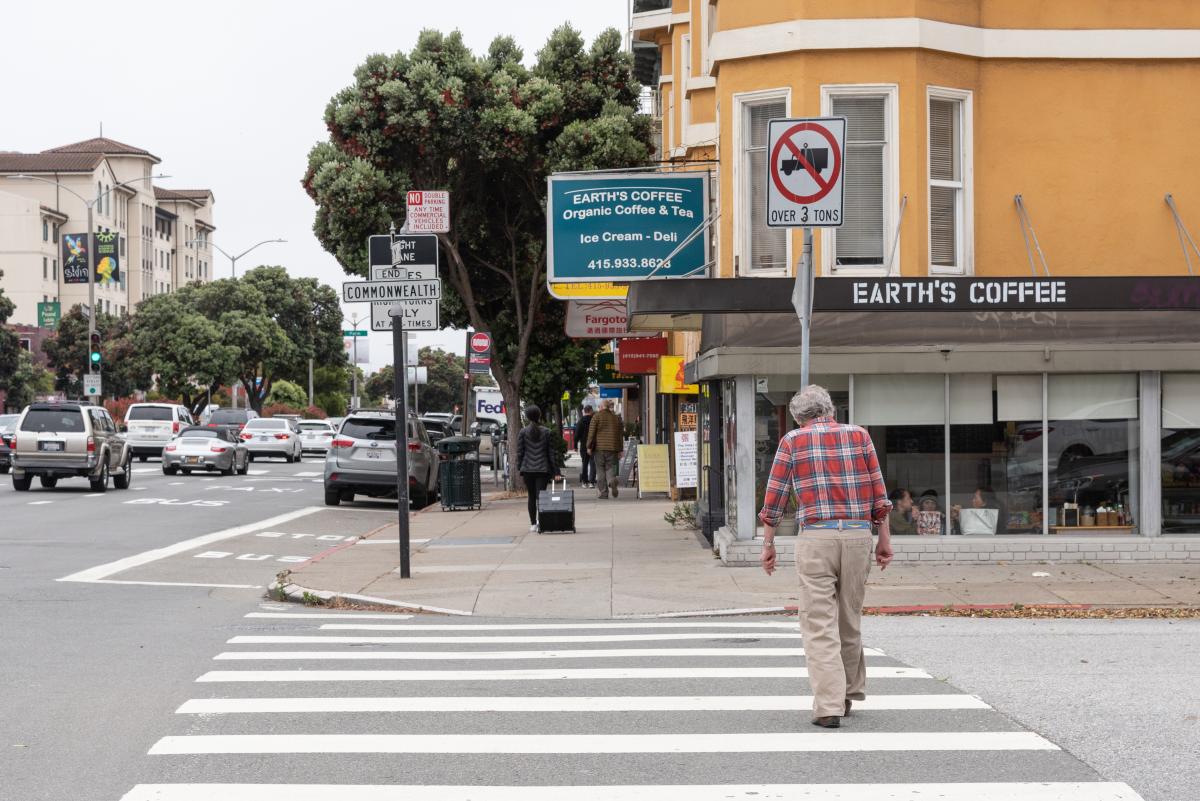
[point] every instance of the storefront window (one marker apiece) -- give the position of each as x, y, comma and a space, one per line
995, 454
1092, 440
1181, 453
905, 416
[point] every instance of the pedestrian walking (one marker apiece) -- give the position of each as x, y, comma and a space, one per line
606, 443
536, 460
834, 472
587, 469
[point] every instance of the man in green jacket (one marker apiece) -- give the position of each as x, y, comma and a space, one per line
606, 439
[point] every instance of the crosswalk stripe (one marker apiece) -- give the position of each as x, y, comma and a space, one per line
288, 639
789, 626
306, 474
563, 674
620, 703
589, 653
948, 791
718, 743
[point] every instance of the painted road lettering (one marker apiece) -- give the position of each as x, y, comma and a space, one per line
251, 557
175, 502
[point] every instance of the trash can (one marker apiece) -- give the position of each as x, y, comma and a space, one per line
459, 473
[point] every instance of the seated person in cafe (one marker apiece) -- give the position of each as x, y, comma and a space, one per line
983, 498
900, 518
929, 519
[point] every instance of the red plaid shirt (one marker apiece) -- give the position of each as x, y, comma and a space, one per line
834, 471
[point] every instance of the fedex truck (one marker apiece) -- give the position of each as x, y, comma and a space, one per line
489, 405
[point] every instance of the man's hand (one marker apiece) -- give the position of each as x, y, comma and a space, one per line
883, 552
768, 558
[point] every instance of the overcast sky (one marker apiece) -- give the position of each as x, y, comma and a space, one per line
230, 95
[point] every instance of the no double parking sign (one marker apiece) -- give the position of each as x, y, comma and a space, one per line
806, 172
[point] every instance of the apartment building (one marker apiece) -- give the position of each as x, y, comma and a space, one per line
160, 238
984, 145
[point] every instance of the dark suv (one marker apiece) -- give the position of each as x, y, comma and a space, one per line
231, 418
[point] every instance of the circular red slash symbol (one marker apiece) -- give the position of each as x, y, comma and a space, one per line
786, 139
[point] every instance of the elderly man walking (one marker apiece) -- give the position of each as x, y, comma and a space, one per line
834, 472
606, 442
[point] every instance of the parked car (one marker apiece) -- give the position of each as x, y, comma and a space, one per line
204, 448
452, 422
8, 424
436, 428
315, 435
150, 426
273, 436
66, 440
336, 422
236, 418
362, 460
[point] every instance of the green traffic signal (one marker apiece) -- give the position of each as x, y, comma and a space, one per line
95, 357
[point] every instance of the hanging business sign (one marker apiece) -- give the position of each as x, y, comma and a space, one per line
805, 172
687, 459
600, 319
597, 290
639, 356
75, 258
608, 375
623, 227
107, 258
670, 377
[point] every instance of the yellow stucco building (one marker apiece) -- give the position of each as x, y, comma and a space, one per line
1003, 148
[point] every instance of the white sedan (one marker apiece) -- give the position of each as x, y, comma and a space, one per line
272, 436
315, 435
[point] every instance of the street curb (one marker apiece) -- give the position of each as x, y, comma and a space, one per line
913, 610
296, 594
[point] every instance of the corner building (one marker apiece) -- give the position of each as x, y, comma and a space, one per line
1060, 391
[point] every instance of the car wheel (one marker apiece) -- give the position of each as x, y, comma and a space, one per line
3, 469
49, 482
100, 482
169, 471
143, 458
419, 497
22, 484
185, 471
245, 468
332, 497
122, 481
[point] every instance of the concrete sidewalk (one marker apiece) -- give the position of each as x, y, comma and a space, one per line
626, 560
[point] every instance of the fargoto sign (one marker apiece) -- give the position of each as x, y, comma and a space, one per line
602, 319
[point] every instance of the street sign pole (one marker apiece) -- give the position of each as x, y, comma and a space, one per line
400, 393
466, 385
802, 300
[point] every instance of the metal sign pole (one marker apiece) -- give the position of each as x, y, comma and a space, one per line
400, 393
802, 300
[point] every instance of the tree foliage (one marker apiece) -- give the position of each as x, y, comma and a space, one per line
67, 352
27, 381
10, 344
490, 130
288, 394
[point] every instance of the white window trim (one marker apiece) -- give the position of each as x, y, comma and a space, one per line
891, 177
965, 232
741, 204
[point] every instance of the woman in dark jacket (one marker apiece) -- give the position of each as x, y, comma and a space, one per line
536, 459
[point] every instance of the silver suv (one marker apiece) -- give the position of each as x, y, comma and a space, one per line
64, 440
362, 460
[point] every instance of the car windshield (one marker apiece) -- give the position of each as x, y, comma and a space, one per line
149, 413
201, 432
57, 420
268, 423
228, 416
314, 426
368, 428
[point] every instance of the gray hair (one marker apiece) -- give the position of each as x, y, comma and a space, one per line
810, 403
607, 403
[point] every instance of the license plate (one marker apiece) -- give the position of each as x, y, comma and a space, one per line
50, 446
193, 460
264, 439
373, 454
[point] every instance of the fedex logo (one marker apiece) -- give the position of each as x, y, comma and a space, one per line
483, 406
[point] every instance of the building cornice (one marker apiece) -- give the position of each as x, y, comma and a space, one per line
925, 34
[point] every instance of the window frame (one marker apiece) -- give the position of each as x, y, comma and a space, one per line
742, 103
965, 208
891, 178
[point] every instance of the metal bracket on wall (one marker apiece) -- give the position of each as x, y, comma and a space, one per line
1027, 232
1185, 238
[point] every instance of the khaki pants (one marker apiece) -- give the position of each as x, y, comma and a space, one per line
607, 463
833, 567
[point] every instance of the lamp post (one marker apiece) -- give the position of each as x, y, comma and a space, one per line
354, 321
90, 204
233, 259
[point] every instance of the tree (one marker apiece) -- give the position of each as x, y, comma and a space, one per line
490, 131
10, 344
310, 315
27, 382
67, 351
288, 394
185, 349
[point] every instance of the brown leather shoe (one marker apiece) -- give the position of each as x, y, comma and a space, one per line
848, 705
830, 722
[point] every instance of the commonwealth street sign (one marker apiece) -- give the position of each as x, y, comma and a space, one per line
392, 291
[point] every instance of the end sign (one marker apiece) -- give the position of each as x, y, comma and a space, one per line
806, 172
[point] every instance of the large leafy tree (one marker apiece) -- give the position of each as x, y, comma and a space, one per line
184, 348
122, 370
310, 315
10, 344
490, 130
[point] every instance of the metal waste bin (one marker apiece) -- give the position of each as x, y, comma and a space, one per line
459, 473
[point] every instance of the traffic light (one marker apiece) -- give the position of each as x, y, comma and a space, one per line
94, 353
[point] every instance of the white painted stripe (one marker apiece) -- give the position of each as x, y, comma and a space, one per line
719, 743
94, 574
94, 495
287, 639
144, 470
39, 503
603, 703
964, 791
258, 472
749, 610
328, 616
178, 584
306, 474
583, 653
749, 624
562, 674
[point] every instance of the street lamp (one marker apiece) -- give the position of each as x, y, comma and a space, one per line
232, 259
90, 255
354, 321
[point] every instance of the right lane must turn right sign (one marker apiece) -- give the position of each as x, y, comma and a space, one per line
806, 170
